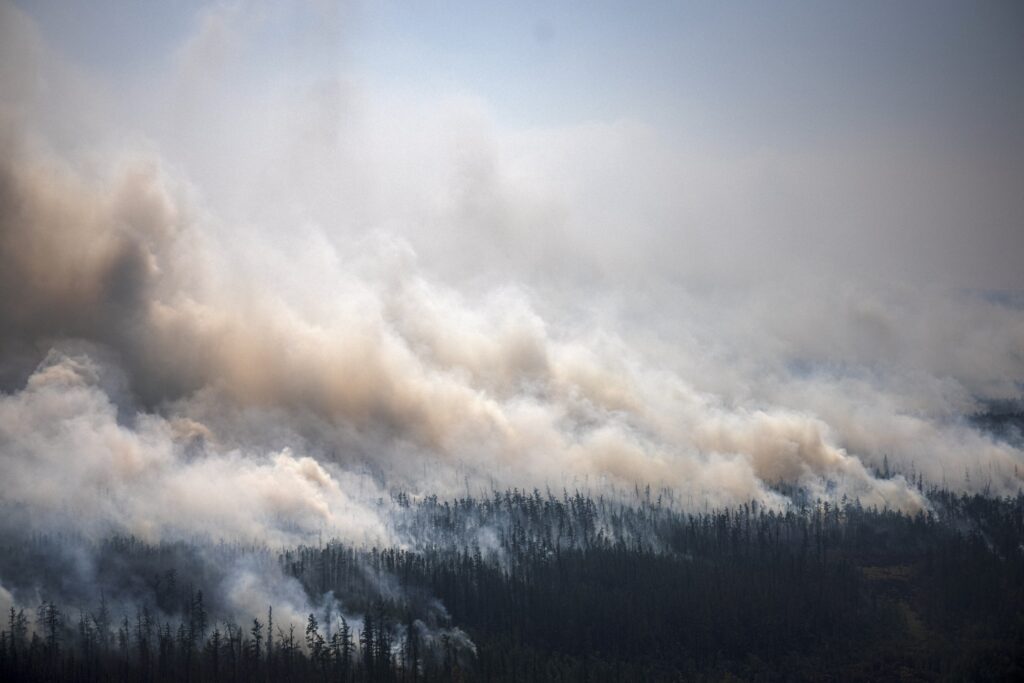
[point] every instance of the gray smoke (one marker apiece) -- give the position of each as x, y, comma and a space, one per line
262, 354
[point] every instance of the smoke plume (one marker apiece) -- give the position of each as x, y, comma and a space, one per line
187, 351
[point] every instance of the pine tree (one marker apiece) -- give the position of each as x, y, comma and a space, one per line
270, 633
257, 639
101, 619
315, 643
345, 636
366, 643
51, 621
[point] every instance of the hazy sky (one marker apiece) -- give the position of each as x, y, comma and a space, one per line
874, 139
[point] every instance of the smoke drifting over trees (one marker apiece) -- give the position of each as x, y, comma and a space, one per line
255, 324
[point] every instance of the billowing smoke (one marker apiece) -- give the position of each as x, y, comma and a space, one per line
397, 375
179, 360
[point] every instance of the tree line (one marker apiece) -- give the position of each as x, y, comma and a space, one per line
529, 586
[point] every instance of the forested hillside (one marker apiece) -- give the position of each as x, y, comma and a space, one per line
531, 586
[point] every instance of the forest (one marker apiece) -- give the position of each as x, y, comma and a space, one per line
527, 586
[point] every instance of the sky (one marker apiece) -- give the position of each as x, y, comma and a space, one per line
310, 253
879, 139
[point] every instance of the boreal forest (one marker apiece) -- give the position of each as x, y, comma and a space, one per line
523, 586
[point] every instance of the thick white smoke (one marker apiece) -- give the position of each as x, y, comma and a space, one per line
70, 463
262, 354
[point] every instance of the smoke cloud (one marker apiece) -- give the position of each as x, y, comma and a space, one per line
263, 355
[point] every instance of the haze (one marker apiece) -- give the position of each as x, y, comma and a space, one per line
261, 265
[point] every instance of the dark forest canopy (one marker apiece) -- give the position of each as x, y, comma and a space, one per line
529, 586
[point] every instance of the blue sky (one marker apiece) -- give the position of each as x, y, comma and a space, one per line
751, 70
